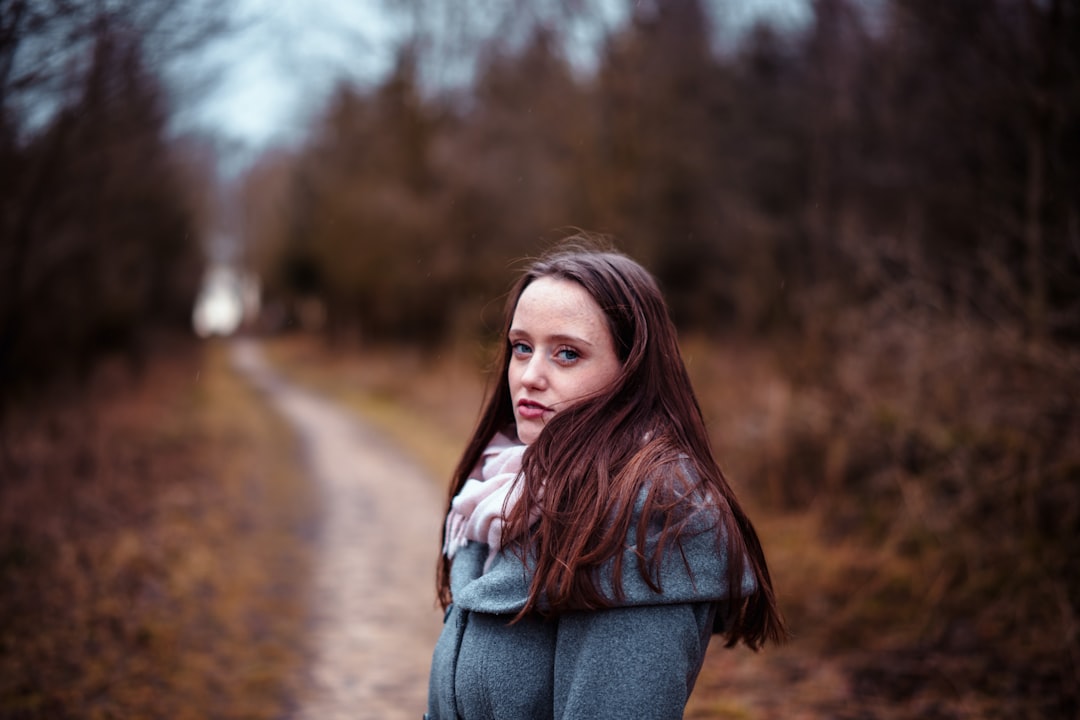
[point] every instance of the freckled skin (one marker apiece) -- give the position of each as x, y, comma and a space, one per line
562, 349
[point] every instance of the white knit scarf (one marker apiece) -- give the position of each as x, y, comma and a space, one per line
478, 512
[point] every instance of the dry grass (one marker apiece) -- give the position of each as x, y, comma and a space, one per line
152, 551
941, 461
916, 496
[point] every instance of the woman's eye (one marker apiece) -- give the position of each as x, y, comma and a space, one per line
520, 348
567, 354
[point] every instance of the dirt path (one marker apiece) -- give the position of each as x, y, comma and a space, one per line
375, 618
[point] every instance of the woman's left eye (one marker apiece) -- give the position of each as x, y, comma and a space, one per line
567, 354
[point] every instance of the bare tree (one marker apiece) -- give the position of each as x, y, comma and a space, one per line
96, 245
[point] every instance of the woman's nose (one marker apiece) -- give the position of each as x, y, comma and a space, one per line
534, 374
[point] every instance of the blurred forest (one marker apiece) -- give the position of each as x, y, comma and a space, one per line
886, 199
99, 236
921, 156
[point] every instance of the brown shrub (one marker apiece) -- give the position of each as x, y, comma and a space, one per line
951, 452
143, 535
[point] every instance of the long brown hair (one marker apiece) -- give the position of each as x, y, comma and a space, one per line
594, 459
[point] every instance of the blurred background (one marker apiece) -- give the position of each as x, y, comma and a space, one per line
865, 215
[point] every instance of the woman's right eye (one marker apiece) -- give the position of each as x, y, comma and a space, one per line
520, 348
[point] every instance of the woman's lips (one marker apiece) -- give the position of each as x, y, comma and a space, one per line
529, 410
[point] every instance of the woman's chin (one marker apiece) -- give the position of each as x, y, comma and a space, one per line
528, 431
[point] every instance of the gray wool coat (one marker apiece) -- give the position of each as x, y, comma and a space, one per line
639, 659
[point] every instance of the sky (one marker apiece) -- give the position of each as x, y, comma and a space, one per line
260, 85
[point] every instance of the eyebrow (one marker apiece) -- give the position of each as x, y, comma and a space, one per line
557, 338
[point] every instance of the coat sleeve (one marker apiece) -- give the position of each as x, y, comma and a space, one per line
630, 662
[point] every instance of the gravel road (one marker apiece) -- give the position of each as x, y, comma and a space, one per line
375, 619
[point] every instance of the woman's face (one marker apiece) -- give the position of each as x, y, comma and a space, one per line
561, 352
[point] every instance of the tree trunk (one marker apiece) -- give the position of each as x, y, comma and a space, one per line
1033, 235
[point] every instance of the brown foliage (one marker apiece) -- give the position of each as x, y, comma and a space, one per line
951, 454
144, 533
753, 183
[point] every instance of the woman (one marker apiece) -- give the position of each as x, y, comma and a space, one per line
592, 545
